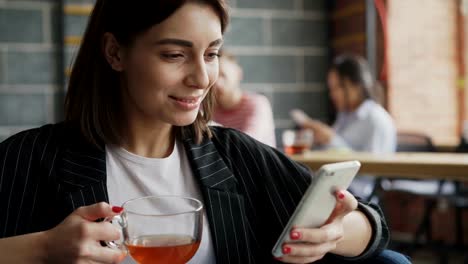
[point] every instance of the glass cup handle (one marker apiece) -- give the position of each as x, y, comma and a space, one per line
117, 221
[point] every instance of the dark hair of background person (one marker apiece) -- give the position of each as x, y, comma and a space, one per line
93, 100
356, 69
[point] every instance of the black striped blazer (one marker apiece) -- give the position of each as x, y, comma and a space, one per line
250, 190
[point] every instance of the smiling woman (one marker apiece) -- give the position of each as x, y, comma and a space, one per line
137, 109
167, 71
140, 45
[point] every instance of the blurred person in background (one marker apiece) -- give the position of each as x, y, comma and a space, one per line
248, 112
362, 124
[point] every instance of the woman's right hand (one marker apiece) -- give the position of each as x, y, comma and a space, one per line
77, 238
323, 133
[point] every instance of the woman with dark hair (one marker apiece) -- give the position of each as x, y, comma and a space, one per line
137, 109
362, 124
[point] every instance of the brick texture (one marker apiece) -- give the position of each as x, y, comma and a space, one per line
29, 72
422, 67
466, 64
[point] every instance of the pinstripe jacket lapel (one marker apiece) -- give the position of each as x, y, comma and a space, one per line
224, 205
82, 170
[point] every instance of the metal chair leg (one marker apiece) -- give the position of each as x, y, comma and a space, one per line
459, 227
426, 223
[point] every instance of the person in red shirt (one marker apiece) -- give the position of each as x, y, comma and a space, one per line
248, 112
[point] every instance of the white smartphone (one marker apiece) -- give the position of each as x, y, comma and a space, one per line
319, 200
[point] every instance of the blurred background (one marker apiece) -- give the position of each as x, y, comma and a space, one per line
416, 49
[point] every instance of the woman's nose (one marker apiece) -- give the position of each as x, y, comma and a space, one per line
198, 77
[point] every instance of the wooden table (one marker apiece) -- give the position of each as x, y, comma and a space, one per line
419, 165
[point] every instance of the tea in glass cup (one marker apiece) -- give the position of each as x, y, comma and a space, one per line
160, 229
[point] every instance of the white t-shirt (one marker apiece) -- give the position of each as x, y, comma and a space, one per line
131, 176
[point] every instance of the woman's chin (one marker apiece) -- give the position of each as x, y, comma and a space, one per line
184, 121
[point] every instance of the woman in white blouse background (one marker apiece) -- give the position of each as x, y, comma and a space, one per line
362, 124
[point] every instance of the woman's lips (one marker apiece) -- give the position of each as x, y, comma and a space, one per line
186, 103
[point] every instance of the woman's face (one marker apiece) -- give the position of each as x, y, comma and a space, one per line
169, 69
345, 95
336, 90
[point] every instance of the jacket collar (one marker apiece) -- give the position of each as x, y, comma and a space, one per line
209, 167
80, 171
224, 205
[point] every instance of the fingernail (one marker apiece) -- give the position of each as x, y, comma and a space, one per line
295, 235
286, 250
341, 195
117, 209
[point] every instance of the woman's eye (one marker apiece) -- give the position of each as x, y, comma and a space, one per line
172, 56
212, 56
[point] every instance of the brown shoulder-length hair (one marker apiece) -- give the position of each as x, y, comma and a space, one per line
356, 69
92, 101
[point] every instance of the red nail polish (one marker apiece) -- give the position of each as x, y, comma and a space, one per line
117, 209
341, 195
295, 235
286, 250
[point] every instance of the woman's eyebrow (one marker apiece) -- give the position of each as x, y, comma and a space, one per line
184, 43
217, 42
178, 42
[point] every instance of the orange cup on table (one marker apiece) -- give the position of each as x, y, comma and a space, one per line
297, 141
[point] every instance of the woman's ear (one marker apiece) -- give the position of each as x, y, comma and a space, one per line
112, 51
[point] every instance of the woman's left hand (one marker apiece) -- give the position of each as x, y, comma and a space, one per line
311, 244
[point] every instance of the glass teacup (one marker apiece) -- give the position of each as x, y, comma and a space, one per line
160, 229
